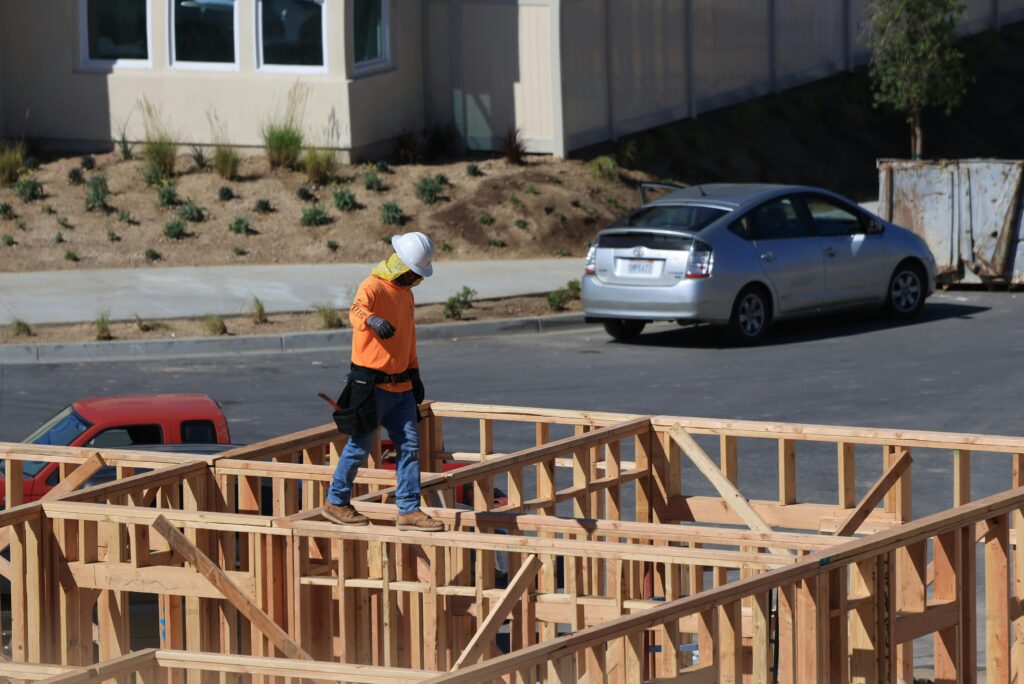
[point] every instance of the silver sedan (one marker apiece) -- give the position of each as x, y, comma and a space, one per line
745, 255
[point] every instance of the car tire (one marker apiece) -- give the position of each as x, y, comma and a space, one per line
624, 329
907, 290
751, 317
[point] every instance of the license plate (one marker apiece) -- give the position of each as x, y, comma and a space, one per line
640, 267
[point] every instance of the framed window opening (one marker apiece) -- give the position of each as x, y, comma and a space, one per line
202, 35
115, 34
371, 36
286, 37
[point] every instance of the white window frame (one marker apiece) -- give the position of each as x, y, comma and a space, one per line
87, 61
175, 63
290, 68
381, 63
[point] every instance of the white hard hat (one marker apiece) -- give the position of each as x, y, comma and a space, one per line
416, 251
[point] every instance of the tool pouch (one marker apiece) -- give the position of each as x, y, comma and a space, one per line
358, 412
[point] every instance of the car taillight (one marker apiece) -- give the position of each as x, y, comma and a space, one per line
701, 261
591, 261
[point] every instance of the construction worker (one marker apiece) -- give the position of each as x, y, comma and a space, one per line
384, 386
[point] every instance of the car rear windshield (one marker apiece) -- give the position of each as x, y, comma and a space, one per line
688, 217
640, 239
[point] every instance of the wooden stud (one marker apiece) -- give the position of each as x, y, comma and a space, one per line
787, 471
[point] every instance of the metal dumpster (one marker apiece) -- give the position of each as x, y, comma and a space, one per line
969, 211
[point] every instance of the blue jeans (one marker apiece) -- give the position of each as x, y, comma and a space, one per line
396, 411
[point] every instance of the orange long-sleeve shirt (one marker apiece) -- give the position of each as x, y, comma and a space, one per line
395, 304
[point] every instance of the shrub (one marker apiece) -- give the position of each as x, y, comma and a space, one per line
241, 226
63, 222
408, 147
59, 238
191, 212
446, 247
214, 324
199, 157
28, 189
152, 175
516, 202
71, 255
428, 190
159, 149
442, 180
97, 193
315, 216
330, 318
487, 220
113, 237
345, 200
167, 194
21, 225
391, 214
258, 311
12, 161
453, 308
604, 168
321, 166
332, 245
175, 229
495, 242
226, 161
372, 181
532, 190
474, 170
225, 194
241, 251
88, 162
9, 240
75, 176
103, 326
305, 194
283, 143
48, 209
6, 211
263, 206
20, 328
513, 147
573, 287
125, 216
466, 296
522, 224
152, 255
558, 299
382, 166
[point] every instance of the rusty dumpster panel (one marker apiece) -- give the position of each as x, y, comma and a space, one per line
968, 211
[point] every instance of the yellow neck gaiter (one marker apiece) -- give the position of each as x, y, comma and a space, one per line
391, 269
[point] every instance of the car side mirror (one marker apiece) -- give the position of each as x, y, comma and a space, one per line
875, 227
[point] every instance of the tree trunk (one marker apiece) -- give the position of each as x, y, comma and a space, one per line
917, 137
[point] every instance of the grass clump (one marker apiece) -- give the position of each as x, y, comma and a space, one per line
516, 202
497, 242
487, 220
263, 206
71, 255
88, 162
573, 287
64, 222
391, 214
473, 170
113, 237
282, 136
151, 175
320, 165
7, 211
226, 161
12, 161
215, 325
315, 216
9, 240
225, 194
28, 189
305, 194
330, 318
522, 224
513, 146
175, 229
167, 194
102, 324
152, 255
75, 176
532, 190
241, 226
48, 209
149, 326
332, 245
124, 146
372, 181
20, 328
558, 299
22, 225
191, 212
258, 311
446, 247
59, 238
97, 194
241, 252
158, 149
428, 190
345, 200
604, 168
199, 157
125, 216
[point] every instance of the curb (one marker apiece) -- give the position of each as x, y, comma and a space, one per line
20, 354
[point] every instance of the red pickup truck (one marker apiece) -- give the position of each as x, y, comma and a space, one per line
122, 422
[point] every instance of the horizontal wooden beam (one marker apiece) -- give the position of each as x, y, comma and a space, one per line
712, 510
936, 617
109, 669
286, 667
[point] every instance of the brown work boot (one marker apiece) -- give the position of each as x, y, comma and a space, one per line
418, 521
344, 514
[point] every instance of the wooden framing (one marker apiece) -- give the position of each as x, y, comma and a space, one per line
600, 565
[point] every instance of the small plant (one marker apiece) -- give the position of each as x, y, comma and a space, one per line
20, 328
88, 162
428, 190
112, 236
22, 225
442, 180
283, 143
258, 311
320, 165
159, 149
199, 157
97, 194
305, 194
263, 206
446, 247
214, 324
226, 161
372, 181
453, 308
474, 171
612, 202
315, 216
175, 229
63, 222
28, 189
532, 190
496, 242
332, 245
59, 238
561, 217
191, 212
382, 166
562, 253
330, 318
241, 226
151, 175
124, 146
152, 255
241, 252
71, 255
345, 200
6, 211
225, 194
573, 287
513, 147
391, 214
125, 216
558, 299
102, 323
516, 202
167, 194
75, 176
522, 224
9, 240
12, 161
604, 168
487, 220
466, 296
149, 326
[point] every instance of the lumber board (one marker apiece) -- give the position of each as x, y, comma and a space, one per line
874, 496
154, 579
287, 667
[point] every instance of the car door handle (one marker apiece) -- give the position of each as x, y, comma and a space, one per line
767, 256
830, 251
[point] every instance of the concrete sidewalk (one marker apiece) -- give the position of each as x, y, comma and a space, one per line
78, 296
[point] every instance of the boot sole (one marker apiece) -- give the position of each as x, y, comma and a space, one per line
339, 521
414, 528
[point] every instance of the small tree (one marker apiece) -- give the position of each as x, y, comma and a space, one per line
916, 63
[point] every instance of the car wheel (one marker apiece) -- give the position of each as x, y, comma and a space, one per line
751, 316
906, 291
623, 329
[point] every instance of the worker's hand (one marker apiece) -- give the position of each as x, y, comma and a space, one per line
383, 329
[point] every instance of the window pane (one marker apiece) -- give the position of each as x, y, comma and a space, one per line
198, 432
831, 220
204, 31
133, 435
368, 27
117, 29
293, 32
777, 220
690, 218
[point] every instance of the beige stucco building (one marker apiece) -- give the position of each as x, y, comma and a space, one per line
566, 73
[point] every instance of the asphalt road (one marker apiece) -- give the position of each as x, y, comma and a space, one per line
957, 368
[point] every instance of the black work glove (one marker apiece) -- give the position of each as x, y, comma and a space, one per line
418, 393
384, 329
